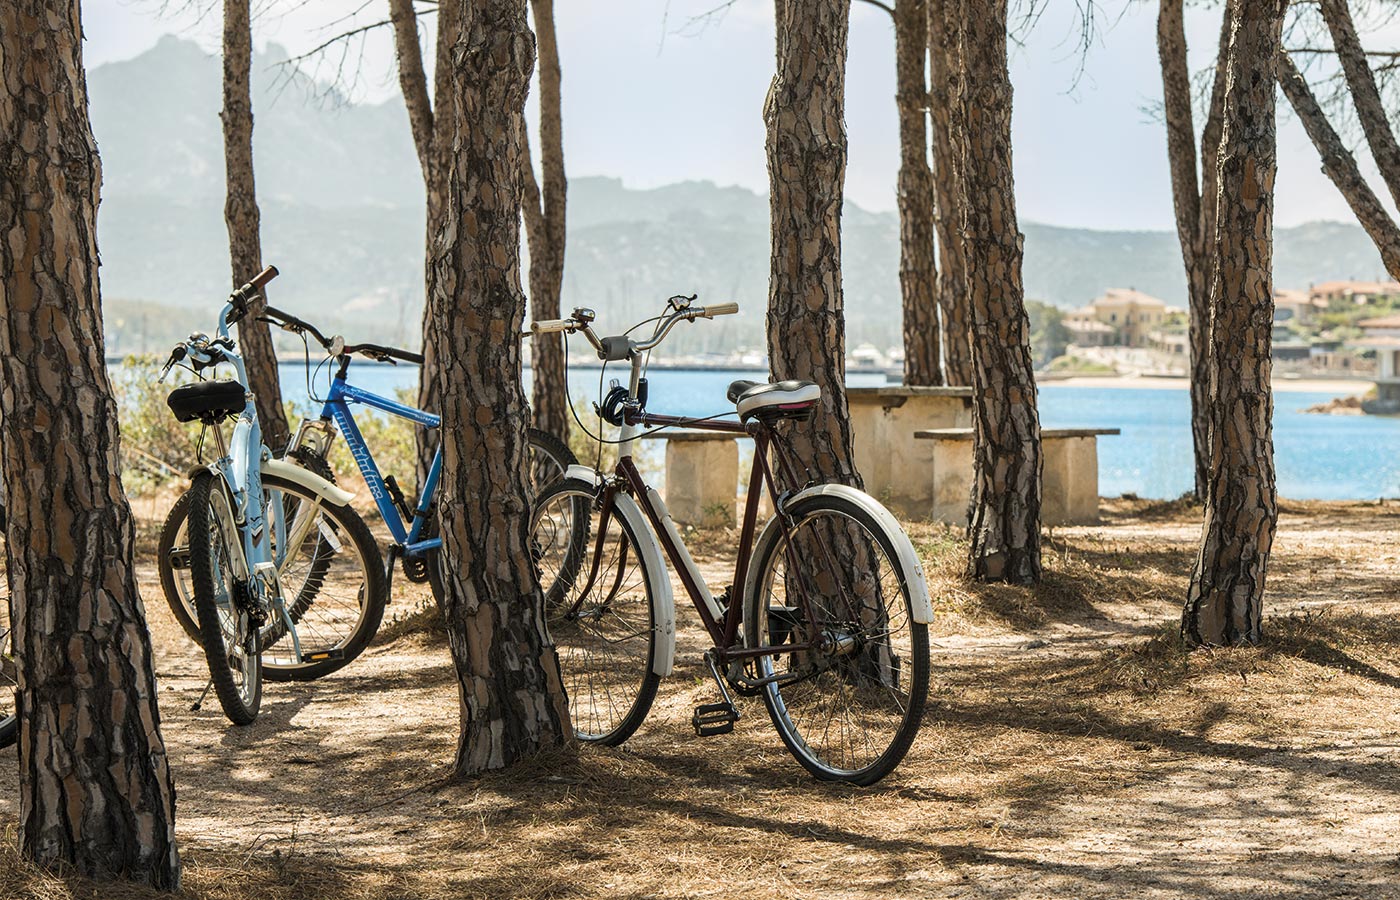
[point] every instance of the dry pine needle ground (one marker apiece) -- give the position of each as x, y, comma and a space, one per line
1072, 748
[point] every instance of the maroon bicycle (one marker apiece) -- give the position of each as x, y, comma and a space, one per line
826, 616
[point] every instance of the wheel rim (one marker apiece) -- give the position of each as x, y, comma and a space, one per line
603, 630
323, 575
9, 672
544, 469
235, 624
853, 697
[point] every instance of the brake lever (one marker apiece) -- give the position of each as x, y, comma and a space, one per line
175, 356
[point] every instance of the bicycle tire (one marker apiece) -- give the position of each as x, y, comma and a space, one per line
607, 657
548, 462
328, 593
217, 607
9, 680
172, 553
860, 666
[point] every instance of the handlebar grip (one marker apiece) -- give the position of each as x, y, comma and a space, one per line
549, 326
721, 309
263, 277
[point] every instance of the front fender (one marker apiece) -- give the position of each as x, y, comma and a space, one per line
904, 549
663, 607
310, 480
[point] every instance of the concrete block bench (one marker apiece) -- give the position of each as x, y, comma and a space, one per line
884, 421
1069, 486
702, 476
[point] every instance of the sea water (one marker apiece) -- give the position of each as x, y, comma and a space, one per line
1318, 457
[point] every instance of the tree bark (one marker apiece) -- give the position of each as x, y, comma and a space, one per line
1194, 219
243, 219
918, 273
512, 698
806, 145
1186, 199
1005, 520
1225, 598
413, 81
945, 69
95, 787
1365, 96
1340, 166
544, 225
432, 141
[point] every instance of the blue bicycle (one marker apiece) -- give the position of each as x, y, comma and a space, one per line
415, 545
278, 562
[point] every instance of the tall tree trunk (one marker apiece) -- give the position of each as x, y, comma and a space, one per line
1186, 199
1340, 166
512, 698
1225, 598
1005, 520
1365, 96
1193, 218
805, 119
243, 219
432, 141
95, 787
544, 225
918, 273
945, 71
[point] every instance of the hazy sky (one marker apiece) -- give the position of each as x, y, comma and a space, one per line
654, 97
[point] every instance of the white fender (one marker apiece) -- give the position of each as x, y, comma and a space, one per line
903, 547
307, 479
663, 607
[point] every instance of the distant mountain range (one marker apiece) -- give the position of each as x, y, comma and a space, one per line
342, 203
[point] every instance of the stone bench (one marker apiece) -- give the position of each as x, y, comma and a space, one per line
702, 476
884, 421
1069, 488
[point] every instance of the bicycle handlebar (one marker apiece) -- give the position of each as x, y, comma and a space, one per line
263, 277
377, 352
612, 348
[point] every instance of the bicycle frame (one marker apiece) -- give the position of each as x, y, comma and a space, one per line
407, 533
722, 624
240, 467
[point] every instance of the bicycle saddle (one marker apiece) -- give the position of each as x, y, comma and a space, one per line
207, 401
783, 399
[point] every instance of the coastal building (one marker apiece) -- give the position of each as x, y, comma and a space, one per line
1130, 315
1331, 294
1292, 306
1382, 334
1089, 332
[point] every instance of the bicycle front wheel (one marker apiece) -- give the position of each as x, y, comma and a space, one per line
173, 551
547, 460
598, 608
848, 697
9, 679
223, 603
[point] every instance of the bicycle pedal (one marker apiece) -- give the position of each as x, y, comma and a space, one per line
323, 655
714, 718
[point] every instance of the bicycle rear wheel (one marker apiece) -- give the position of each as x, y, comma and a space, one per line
598, 608
333, 583
848, 698
222, 602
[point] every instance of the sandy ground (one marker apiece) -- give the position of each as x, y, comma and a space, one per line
1341, 386
1070, 749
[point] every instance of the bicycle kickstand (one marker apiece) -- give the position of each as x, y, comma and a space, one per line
198, 704
715, 718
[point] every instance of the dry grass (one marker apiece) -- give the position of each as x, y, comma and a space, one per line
1073, 747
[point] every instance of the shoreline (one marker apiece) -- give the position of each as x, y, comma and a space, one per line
1342, 387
